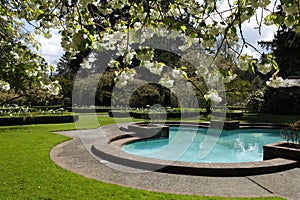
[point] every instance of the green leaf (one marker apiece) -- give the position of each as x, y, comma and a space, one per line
185, 75
252, 67
183, 28
275, 65
51, 68
39, 17
40, 14
183, 67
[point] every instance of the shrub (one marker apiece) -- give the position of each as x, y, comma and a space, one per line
282, 101
256, 101
292, 133
46, 119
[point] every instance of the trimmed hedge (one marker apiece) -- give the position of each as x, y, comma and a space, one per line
12, 109
88, 110
176, 114
231, 115
143, 115
45, 119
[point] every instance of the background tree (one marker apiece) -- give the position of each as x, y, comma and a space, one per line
68, 67
286, 47
102, 24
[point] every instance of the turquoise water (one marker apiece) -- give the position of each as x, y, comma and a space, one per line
207, 145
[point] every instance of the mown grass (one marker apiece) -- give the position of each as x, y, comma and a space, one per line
27, 172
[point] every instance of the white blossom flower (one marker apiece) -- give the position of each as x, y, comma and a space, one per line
4, 86
53, 88
113, 63
31, 73
147, 33
264, 68
92, 58
244, 62
122, 48
213, 96
120, 26
178, 74
154, 67
202, 71
138, 25
85, 64
119, 36
155, 14
123, 77
275, 82
228, 79
129, 56
166, 82
291, 82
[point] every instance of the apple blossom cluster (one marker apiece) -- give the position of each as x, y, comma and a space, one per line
291, 19
153, 67
122, 77
53, 88
244, 61
213, 96
264, 68
166, 82
277, 82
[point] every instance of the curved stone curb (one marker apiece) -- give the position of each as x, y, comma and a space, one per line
73, 156
82, 163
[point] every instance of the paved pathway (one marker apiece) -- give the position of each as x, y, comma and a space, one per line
76, 157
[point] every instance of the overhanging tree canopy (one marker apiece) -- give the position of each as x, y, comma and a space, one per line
102, 24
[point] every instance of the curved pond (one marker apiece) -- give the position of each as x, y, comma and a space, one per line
198, 145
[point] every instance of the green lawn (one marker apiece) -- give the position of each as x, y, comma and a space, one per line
27, 172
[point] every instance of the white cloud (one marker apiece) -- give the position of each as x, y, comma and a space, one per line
253, 35
250, 29
51, 49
